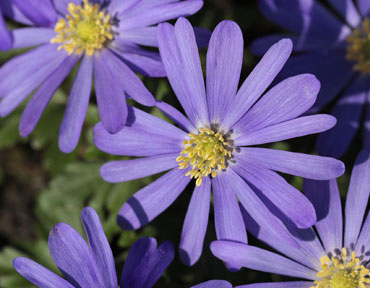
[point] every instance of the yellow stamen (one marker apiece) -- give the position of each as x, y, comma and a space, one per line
206, 152
358, 49
86, 30
343, 271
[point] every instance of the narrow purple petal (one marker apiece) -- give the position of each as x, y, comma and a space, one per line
259, 259
117, 6
28, 37
11, 11
144, 135
126, 170
347, 10
176, 116
298, 127
181, 60
285, 101
73, 256
24, 73
224, 63
152, 200
298, 164
300, 284
146, 36
279, 195
258, 81
5, 36
348, 110
364, 7
357, 197
195, 224
325, 197
40, 12
62, 5
110, 97
32, 113
75, 113
100, 247
213, 284
160, 13
39, 275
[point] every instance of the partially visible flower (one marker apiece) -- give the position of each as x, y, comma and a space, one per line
105, 36
5, 36
337, 51
335, 255
92, 265
209, 145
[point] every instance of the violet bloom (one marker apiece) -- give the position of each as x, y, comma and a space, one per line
92, 265
210, 142
339, 262
105, 37
336, 50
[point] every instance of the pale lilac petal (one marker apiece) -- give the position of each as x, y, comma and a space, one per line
78, 101
127, 170
348, 111
300, 284
5, 35
24, 73
181, 61
258, 259
39, 275
160, 13
40, 12
213, 284
176, 116
32, 113
73, 257
11, 11
285, 101
146, 36
110, 97
117, 6
298, 127
258, 81
347, 10
144, 135
224, 63
279, 195
152, 200
325, 197
62, 5
195, 224
298, 164
28, 37
357, 198
100, 246
364, 7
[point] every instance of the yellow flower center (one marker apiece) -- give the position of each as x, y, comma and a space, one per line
206, 152
342, 272
358, 49
86, 30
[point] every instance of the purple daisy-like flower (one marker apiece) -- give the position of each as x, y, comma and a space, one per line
211, 141
336, 254
105, 37
336, 50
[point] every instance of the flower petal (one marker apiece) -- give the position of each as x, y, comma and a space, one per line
143, 135
32, 113
62, 5
182, 63
285, 101
5, 36
40, 12
325, 197
347, 10
278, 195
214, 284
39, 275
28, 37
195, 223
73, 256
364, 7
298, 127
152, 200
299, 164
126, 170
259, 259
110, 97
300, 284
357, 197
258, 81
100, 246
75, 113
348, 110
224, 63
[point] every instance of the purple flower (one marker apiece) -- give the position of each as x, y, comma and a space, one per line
336, 50
106, 37
92, 265
336, 254
211, 141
